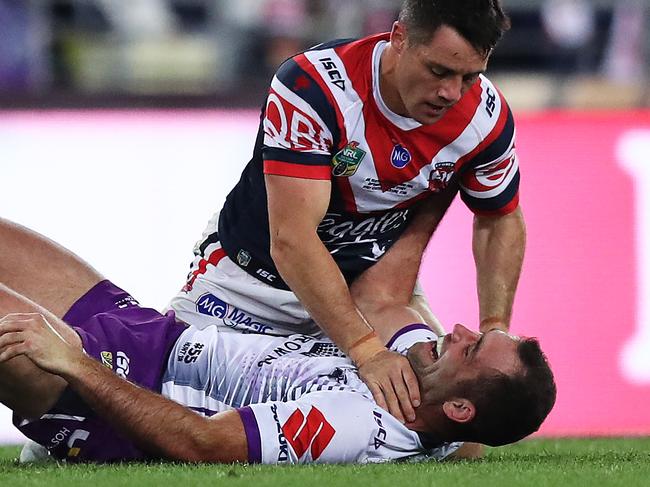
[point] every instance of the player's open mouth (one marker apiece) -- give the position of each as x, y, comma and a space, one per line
436, 109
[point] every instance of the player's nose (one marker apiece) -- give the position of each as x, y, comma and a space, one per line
462, 333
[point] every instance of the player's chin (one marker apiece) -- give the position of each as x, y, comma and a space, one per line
422, 355
429, 115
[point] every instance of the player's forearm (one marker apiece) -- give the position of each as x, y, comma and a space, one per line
157, 425
311, 273
498, 244
391, 280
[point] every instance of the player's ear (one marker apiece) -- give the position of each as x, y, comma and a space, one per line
460, 410
398, 36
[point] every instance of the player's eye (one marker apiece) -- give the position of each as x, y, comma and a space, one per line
439, 73
470, 79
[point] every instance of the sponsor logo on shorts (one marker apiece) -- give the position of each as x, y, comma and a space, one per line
78, 435
210, 305
122, 362
70, 438
60, 435
312, 433
380, 436
127, 301
400, 157
347, 160
440, 176
107, 359
190, 351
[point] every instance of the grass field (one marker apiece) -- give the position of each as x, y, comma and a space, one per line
535, 463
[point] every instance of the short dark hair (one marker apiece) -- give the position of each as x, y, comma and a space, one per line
481, 22
510, 407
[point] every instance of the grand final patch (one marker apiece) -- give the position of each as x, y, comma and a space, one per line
347, 160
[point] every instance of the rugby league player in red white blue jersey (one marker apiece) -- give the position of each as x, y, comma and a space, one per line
362, 146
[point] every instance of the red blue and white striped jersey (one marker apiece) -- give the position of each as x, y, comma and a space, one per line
325, 119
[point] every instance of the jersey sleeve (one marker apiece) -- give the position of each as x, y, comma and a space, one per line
490, 183
316, 428
300, 126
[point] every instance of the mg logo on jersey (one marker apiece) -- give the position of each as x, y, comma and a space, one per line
440, 176
312, 433
211, 305
400, 157
347, 160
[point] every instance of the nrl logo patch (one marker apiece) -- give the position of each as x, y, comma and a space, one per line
107, 359
347, 160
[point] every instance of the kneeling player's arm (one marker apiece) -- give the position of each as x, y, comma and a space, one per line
157, 425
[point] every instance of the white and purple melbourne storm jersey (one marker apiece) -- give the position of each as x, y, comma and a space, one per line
300, 399
325, 119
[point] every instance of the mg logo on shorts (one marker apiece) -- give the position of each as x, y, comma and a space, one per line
211, 305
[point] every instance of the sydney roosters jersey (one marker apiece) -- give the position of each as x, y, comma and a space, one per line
325, 119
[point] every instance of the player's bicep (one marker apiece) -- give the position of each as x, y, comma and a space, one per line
296, 205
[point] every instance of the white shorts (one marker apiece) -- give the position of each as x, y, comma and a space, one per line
223, 294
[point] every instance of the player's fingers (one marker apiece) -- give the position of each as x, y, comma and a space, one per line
18, 317
12, 351
412, 385
377, 394
404, 399
9, 338
13, 326
392, 402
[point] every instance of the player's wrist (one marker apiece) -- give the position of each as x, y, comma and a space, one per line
365, 348
493, 323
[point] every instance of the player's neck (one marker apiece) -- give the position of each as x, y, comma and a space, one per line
387, 82
435, 425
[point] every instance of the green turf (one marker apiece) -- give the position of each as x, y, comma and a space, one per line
536, 463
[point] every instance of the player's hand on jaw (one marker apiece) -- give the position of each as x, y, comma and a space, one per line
31, 335
389, 377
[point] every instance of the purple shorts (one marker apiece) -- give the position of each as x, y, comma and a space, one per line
135, 343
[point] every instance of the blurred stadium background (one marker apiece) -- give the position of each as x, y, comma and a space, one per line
124, 124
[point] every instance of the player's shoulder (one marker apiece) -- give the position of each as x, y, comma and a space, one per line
349, 51
484, 111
